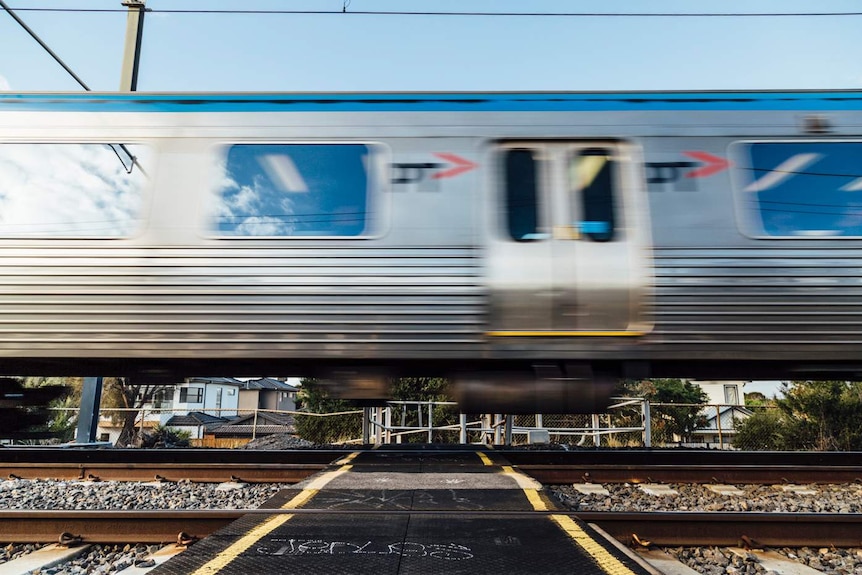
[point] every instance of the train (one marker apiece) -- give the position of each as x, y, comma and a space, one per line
539, 243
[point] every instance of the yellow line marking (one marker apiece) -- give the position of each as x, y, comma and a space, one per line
485, 459
225, 557
524, 481
564, 333
536, 500
532, 489
327, 477
609, 564
347, 458
268, 525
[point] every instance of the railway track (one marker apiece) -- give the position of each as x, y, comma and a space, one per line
548, 467
666, 529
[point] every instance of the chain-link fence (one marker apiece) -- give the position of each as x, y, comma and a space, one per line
629, 422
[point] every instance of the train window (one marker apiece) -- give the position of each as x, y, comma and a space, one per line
522, 204
799, 189
70, 190
591, 176
294, 190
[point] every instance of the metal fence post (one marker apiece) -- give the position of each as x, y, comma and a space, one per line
718, 424
388, 421
647, 423
597, 438
254, 426
379, 431
366, 425
508, 430
430, 423
462, 419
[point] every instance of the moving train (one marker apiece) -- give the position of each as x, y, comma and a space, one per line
521, 243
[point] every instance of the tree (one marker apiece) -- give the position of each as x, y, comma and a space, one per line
670, 421
764, 430
424, 389
757, 399
25, 410
128, 398
815, 415
823, 415
63, 420
314, 398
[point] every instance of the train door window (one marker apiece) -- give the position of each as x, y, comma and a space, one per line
807, 189
71, 190
296, 190
592, 183
522, 203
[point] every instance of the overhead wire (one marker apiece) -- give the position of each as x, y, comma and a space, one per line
462, 13
43, 44
123, 147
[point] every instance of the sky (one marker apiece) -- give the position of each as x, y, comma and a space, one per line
349, 51
361, 52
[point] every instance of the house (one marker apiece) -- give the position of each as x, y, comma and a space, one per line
217, 396
256, 424
721, 423
267, 393
726, 407
722, 392
214, 396
196, 423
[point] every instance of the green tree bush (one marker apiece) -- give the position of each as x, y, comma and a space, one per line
314, 398
812, 415
670, 422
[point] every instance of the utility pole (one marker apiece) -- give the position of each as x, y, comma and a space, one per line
132, 51
91, 397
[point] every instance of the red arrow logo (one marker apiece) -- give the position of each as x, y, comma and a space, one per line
461, 166
714, 164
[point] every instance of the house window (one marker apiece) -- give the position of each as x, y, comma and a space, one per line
296, 190
162, 398
191, 395
218, 398
731, 394
71, 190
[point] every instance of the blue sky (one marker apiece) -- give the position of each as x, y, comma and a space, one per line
347, 52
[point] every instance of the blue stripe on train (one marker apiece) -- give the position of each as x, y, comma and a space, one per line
431, 102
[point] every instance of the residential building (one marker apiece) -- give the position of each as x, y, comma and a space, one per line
267, 393
213, 396
726, 407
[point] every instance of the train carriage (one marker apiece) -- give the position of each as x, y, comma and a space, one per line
511, 240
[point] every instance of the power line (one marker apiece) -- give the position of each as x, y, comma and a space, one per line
41, 43
469, 13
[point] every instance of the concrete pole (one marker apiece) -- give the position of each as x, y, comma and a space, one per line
132, 49
88, 415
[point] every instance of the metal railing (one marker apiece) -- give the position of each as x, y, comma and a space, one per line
628, 422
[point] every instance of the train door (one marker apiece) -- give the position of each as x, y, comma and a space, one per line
570, 253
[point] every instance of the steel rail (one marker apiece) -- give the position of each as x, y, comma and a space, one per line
195, 472
657, 528
548, 467
743, 474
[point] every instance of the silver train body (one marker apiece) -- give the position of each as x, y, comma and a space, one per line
562, 235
